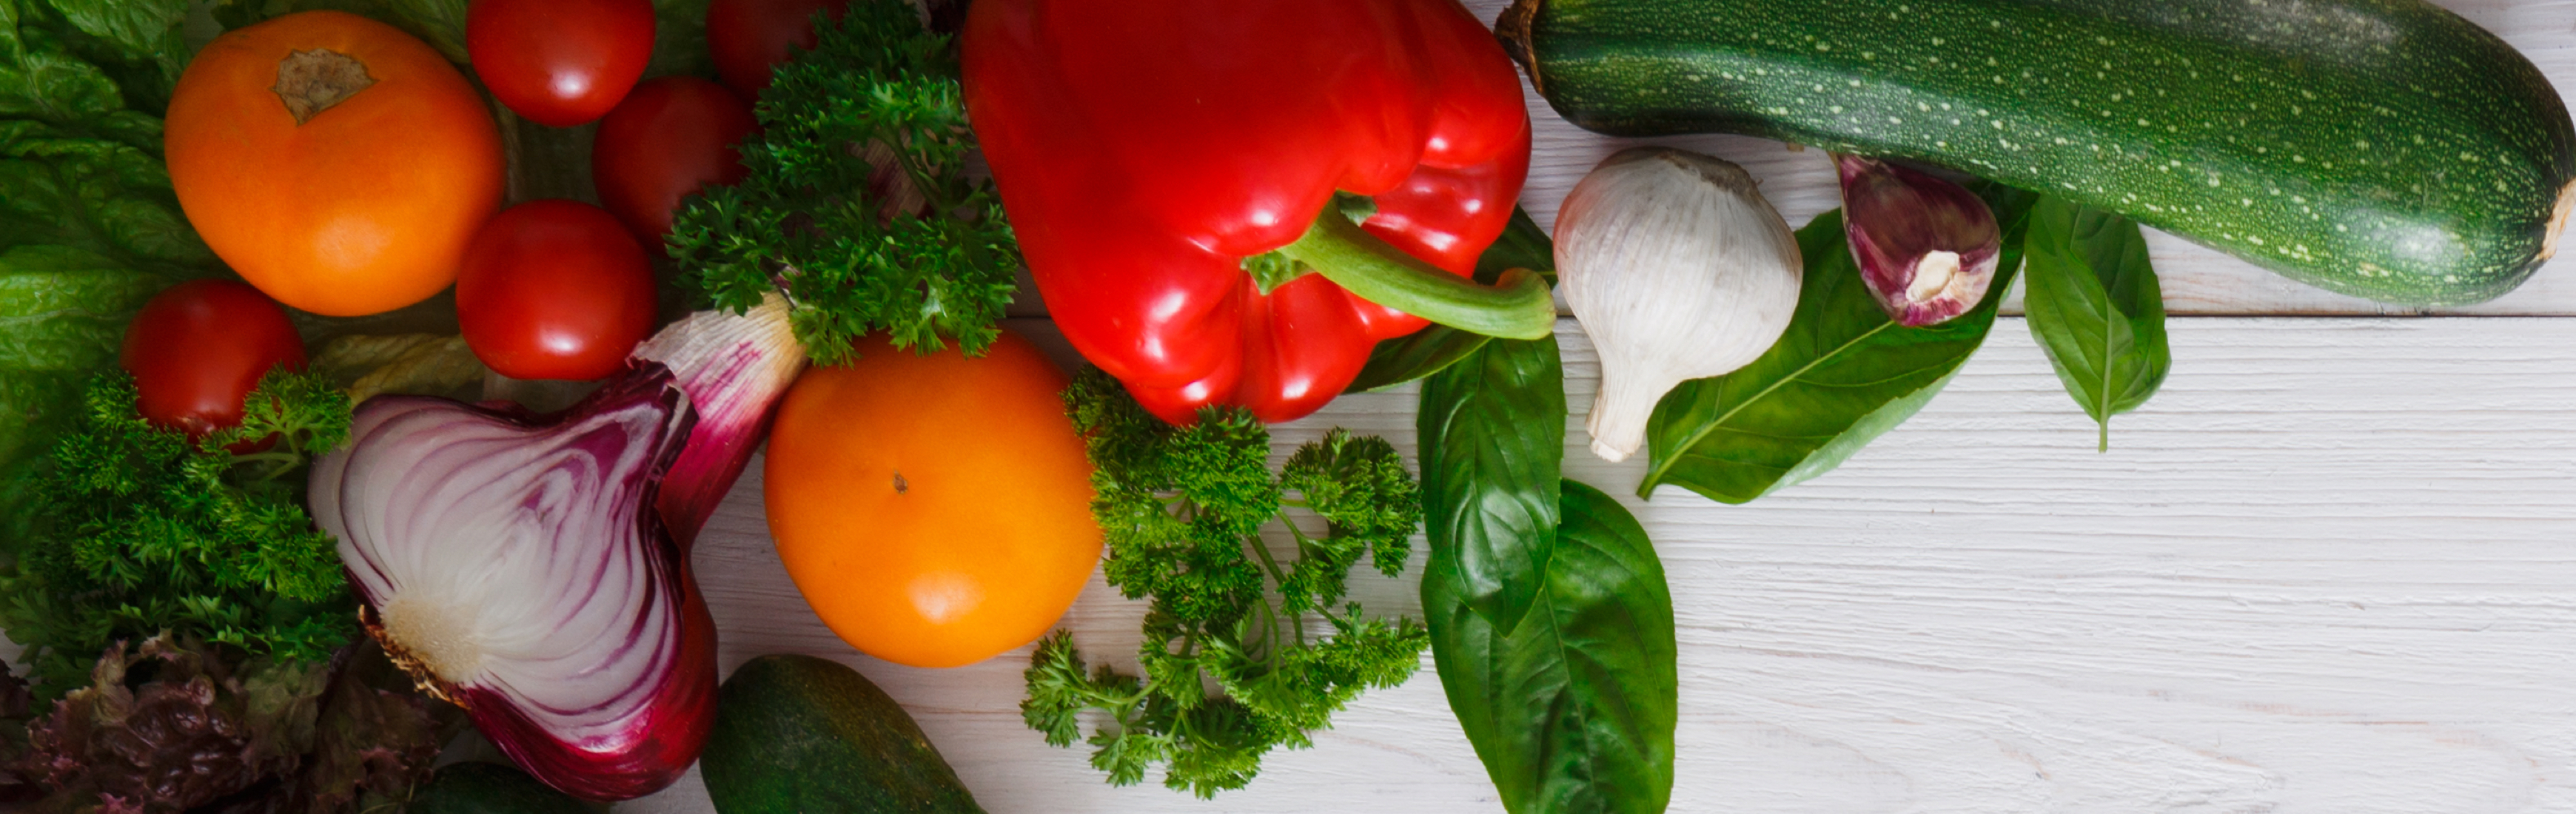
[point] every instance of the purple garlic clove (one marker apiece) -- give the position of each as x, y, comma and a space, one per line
1927, 248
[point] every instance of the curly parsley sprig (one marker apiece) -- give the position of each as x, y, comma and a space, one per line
1183, 510
858, 205
140, 531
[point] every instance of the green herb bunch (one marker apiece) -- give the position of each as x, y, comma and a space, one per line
140, 531
858, 205
1183, 509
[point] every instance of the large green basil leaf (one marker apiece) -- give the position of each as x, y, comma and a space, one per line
1842, 375
2095, 308
1522, 245
1415, 355
1493, 437
1574, 710
1424, 352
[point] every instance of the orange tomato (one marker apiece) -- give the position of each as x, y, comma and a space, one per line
336, 162
934, 510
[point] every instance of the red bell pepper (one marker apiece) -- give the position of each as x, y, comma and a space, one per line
1149, 152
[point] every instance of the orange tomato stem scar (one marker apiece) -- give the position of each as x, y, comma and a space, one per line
310, 82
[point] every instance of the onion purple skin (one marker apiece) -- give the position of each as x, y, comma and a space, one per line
658, 736
1894, 216
734, 367
663, 745
714, 458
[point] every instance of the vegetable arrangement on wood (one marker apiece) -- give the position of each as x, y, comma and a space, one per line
278, 541
2381, 148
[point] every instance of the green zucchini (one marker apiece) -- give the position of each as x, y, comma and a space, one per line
2381, 148
799, 734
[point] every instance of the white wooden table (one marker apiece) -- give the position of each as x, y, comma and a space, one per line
2331, 568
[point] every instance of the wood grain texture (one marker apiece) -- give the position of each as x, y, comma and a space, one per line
2196, 280
2326, 570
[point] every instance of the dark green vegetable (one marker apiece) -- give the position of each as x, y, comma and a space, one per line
1840, 376
1424, 352
1492, 429
2381, 148
89, 228
489, 788
802, 734
139, 531
2094, 306
1183, 509
1573, 710
859, 205
1550, 624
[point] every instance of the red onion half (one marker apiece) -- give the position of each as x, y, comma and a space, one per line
521, 567
734, 368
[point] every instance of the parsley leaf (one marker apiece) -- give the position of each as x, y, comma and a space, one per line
1183, 509
858, 205
140, 531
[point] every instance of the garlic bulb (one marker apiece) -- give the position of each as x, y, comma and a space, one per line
1927, 248
1677, 269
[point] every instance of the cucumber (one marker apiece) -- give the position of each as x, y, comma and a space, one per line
803, 734
490, 788
2381, 148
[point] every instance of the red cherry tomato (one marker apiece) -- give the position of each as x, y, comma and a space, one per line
197, 349
554, 289
559, 62
749, 37
670, 137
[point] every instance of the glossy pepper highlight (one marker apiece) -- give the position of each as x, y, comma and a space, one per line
1173, 168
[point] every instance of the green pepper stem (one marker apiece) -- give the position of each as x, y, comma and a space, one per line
1517, 306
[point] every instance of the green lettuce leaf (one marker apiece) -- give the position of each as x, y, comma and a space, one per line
2095, 308
89, 228
1842, 375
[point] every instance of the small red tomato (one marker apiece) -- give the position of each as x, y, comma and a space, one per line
197, 349
554, 289
559, 62
670, 137
750, 37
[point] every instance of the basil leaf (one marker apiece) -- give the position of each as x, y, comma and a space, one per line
1424, 352
1522, 245
1493, 437
1574, 710
1415, 355
1840, 376
2095, 308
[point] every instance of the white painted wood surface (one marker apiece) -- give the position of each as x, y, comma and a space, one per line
2331, 568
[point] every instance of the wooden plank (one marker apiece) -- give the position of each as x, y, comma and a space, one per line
2196, 280
2326, 570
